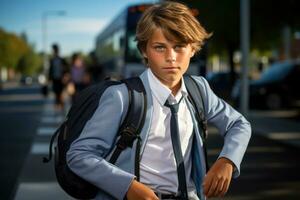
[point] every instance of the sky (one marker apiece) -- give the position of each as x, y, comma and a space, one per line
75, 30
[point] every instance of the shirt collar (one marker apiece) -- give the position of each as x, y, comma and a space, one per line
162, 92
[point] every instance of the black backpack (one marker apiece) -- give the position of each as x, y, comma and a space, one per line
82, 110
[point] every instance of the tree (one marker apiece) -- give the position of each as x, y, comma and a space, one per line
222, 19
267, 19
12, 48
30, 63
17, 54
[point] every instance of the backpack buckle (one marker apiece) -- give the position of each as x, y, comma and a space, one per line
128, 135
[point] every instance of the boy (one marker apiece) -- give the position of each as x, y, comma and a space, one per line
168, 36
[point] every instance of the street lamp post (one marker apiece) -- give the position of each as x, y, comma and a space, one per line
45, 16
245, 38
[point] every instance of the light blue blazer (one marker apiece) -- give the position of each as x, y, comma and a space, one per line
89, 154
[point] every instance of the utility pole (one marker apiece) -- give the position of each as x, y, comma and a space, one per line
245, 38
45, 16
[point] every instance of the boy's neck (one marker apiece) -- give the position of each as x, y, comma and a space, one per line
175, 88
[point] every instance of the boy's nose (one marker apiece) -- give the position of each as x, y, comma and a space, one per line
171, 56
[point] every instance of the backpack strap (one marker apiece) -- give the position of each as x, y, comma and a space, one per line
45, 159
196, 100
133, 122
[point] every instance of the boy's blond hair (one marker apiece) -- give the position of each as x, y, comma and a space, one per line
177, 23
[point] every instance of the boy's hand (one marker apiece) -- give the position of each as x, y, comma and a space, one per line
139, 191
217, 180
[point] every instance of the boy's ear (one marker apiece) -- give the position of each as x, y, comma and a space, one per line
144, 54
192, 53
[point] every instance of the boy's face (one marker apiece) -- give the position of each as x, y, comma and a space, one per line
168, 60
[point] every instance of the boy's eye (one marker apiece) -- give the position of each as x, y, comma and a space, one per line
179, 47
159, 48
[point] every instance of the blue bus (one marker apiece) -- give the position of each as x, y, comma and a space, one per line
116, 49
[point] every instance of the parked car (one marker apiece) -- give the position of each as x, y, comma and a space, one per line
278, 87
26, 80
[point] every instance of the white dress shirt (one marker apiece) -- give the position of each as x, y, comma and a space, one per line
158, 165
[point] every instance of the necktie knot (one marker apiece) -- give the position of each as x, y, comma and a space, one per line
173, 107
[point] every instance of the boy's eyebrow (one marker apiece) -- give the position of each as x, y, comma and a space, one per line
161, 43
175, 43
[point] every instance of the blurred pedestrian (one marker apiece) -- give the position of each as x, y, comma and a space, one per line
95, 69
172, 164
79, 74
58, 76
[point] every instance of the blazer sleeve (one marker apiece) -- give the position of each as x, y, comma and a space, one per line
235, 129
86, 154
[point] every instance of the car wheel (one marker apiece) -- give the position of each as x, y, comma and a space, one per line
273, 101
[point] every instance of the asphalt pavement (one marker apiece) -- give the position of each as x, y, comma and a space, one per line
281, 126
37, 180
20, 109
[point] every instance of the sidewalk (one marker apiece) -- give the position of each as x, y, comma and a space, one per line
8, 85
276, 126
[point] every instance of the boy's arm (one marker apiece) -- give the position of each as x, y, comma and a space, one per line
235, 129
86, 154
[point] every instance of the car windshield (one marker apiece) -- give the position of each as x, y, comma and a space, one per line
277, 72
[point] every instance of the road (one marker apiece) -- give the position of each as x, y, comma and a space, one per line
20, 110
269, 169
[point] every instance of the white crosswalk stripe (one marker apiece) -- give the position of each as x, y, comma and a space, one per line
51, 119
40, 148
46, 131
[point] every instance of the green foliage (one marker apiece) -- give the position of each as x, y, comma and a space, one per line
267, 18
222, 19
16, 53
12, 48
30, 63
